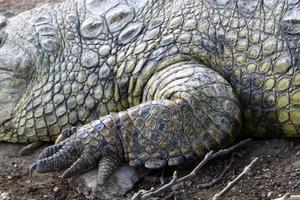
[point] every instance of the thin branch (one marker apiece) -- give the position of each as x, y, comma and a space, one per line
230, 149
199, 166
161, 178
142, 194
288, 196
244, 173
145, 194
211, 155
220, 177
172, 194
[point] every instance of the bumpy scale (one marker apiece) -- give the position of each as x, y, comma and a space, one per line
156, 82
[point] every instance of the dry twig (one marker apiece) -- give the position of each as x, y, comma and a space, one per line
244, 173
216, 180
161, 178
172, 194
288, 196
146, 194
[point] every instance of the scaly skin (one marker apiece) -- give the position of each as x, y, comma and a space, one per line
156, 82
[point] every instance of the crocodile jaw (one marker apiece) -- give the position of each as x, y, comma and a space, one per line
11, 88
15, 69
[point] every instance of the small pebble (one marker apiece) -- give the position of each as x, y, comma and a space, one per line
189, 183
269, 194
287, 169
293, 174
296, 164
56, 189
6, 196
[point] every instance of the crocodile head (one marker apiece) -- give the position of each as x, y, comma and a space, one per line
56, 69
15, 69
35, 97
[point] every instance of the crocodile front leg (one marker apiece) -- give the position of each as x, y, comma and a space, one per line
188, 110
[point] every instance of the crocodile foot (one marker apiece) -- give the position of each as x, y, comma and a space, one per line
84, 149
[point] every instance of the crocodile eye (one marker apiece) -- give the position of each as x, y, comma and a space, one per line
3, 37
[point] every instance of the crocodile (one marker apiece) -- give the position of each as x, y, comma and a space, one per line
151, 82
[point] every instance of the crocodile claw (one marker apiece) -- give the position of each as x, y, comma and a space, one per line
74, 155
67, 132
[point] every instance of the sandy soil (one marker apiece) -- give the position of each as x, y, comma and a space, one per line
276, 172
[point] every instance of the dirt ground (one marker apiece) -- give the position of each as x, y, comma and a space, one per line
16, 183
276, 173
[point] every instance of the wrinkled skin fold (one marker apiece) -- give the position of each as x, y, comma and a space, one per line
150, 82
